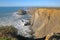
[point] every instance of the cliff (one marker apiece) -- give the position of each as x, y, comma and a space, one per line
45, 21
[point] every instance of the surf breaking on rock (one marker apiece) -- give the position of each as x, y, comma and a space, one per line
18, 22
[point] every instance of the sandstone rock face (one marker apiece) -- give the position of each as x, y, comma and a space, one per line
45, 21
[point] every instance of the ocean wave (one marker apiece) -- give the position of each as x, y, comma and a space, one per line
18, 22
22, 29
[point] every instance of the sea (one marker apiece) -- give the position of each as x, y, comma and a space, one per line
9, 16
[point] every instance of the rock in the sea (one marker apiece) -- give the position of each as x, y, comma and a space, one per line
45, 21
21, 12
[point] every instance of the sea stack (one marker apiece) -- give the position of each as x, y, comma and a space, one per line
21, 12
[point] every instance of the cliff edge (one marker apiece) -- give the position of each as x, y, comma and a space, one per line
45, 21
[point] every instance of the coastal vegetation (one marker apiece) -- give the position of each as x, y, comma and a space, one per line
7, 33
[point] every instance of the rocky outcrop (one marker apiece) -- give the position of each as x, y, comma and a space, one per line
28, 11
31, 10
21, 12
45, 21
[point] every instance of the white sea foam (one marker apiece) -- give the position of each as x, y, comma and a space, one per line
18, 22
23, 30
15, 14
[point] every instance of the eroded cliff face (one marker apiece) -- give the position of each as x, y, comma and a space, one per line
45, 21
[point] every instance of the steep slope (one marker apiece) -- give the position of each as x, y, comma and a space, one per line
45, 21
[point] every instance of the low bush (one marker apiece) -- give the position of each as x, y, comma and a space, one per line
7, 33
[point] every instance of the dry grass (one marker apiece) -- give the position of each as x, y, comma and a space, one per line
7, 33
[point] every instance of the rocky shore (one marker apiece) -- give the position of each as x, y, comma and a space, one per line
10, 33
43, 21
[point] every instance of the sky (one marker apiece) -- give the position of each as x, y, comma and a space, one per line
29, 3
